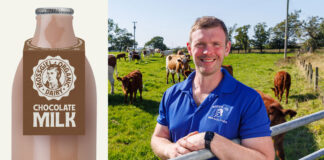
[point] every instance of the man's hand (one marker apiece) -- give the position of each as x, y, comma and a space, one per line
193, 142
176, 149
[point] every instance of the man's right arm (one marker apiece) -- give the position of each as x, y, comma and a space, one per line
163, 147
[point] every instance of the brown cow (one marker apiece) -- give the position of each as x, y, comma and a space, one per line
277, 116
136, 56
180, 52
121, 55
111, 68
282, 82
130, 84
176, 64
186, 73
229, 69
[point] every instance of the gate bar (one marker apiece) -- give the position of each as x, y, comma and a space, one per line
314, 155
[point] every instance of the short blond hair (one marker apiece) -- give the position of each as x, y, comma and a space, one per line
206, 22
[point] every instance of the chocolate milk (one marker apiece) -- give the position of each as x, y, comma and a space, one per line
54, 30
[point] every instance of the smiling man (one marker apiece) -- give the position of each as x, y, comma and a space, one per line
210, 108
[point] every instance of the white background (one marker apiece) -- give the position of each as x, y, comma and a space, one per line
18, 23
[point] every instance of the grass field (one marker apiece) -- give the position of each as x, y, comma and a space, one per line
131, 126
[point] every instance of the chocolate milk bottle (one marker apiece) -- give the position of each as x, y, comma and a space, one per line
54, 30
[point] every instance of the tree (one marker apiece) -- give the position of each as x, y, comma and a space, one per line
261, 35
242, 38
124, 41
314, 33
111, 28
277, 40
156, 42
231, 31
236, 46
277, 33
294, 27
118, 38
230, 35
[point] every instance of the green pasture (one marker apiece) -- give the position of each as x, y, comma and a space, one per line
131, 126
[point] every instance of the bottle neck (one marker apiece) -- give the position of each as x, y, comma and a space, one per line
54, 31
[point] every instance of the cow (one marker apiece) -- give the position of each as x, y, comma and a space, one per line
151, 51
186, 73
176, 64
121, 55
146, 53
134, 55
112, 66
282, 82
157, 50
180, 52
166, 53
130, 84
276, 115
229, 69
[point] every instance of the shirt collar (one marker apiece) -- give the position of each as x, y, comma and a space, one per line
227, 84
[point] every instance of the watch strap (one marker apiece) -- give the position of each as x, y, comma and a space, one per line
208, 138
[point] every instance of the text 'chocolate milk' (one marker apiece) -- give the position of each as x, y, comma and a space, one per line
54, 94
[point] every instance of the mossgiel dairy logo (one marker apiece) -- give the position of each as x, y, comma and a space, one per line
53, 78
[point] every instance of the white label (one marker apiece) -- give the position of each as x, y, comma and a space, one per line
53, 78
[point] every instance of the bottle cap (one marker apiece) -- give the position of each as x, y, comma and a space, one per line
54, 11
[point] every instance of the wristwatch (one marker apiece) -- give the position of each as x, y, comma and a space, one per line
208, 138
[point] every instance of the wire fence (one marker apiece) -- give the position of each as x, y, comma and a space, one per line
312, 75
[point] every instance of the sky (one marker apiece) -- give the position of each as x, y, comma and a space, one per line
172, 19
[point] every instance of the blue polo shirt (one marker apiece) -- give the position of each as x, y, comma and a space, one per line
232, 110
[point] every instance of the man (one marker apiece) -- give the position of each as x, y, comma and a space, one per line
210, 108
53, 75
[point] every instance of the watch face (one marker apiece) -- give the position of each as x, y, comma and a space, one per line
209, 135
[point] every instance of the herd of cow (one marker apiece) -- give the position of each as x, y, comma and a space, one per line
135, 55
175, 64
179, 64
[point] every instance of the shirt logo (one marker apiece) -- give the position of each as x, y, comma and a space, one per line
220, 112
53, 78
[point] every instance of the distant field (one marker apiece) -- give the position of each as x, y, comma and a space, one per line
131, 126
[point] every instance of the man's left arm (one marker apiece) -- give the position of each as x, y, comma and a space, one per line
254, 132
223, 148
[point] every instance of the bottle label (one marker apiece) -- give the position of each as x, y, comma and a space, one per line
53, 90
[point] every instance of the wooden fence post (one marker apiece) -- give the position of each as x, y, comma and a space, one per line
316, 79
303, 62
307, 69
310, 72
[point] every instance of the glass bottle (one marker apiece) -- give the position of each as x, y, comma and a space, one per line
54, 29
